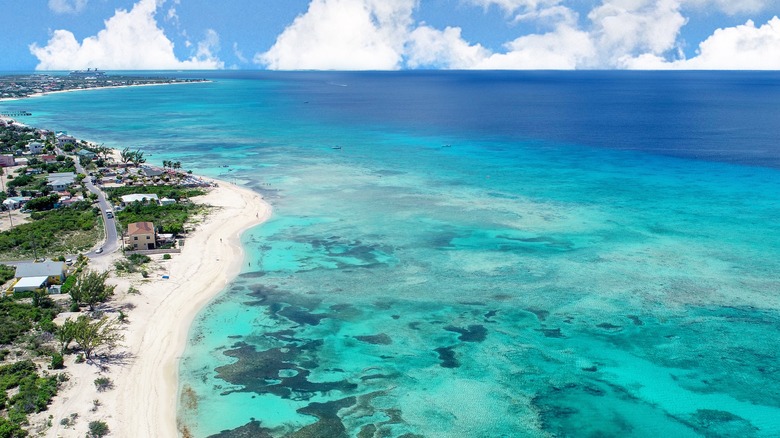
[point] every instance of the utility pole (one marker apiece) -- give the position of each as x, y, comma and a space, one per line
2, 183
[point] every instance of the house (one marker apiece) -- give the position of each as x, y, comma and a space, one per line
27, 284
86, 154
15, 202
63, 139
167, 201
140, 197
61, 181
7, 161
52, 272
36, 147
48, 158
141, 235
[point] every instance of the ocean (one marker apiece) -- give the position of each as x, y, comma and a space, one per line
478, 254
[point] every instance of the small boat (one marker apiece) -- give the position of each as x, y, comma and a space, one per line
447, 146
335, 147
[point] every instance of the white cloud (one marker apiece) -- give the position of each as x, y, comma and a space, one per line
67, 6
743, 47
562, 49
732, 7
512, 6
239, 54
130, 40
633, 27
376, 34
433, 48
343, 35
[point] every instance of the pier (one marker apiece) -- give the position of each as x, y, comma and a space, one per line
16, 114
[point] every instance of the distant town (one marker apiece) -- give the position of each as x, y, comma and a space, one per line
20, 86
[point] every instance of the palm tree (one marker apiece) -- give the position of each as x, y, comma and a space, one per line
126, 155
138, 158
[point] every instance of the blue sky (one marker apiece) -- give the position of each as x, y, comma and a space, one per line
390, 34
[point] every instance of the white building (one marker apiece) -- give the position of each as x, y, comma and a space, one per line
36, 147
143, 198
61, 181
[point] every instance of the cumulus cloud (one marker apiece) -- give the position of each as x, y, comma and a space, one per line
67, 6
343, 35
564, 48
130, 40
375, 34
630, 28
743, 47
433, 48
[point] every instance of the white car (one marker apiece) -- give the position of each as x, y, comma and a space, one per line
99, 250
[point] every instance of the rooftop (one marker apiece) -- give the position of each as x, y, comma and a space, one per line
42, 269
140, 228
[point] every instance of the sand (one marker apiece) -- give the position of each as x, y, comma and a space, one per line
143, 402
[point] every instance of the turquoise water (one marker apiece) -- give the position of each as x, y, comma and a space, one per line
480, 279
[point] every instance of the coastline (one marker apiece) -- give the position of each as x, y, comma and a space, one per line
73, 90
144, 371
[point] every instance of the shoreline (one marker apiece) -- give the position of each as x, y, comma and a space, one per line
145, 367
151, 381
73, 90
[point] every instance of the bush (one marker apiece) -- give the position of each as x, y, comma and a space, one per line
97, 429
166, 256
6, 273
79, 358
103, 384
138, 259
57, 362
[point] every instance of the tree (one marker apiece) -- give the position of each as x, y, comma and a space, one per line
91, 335
103, 151
138, 158
65, 334
126, 155
91, 288
43, 203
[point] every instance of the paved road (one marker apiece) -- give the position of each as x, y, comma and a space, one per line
112, 242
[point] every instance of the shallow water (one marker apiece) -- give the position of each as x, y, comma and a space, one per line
484, 256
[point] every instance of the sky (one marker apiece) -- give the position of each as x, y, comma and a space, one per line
389, 34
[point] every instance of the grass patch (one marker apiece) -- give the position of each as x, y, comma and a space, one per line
63, 231
169, 218
172, 192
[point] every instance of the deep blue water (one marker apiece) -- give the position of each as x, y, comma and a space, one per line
488, 254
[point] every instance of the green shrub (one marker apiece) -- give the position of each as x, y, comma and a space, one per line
166, 256
68, 284
103, 384
97, 429
57, 362
138, 259
6, 273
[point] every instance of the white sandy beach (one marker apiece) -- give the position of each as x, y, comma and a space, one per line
143, 402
